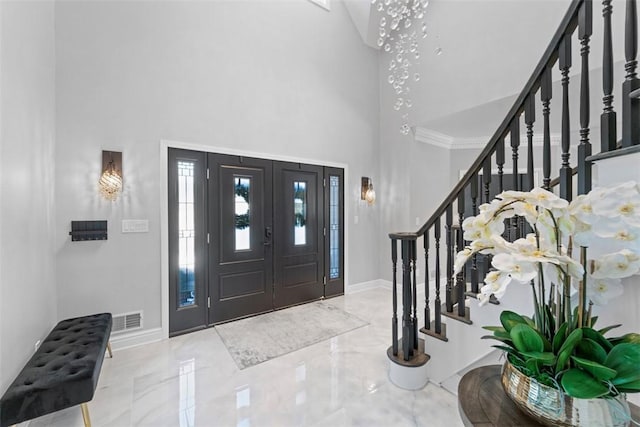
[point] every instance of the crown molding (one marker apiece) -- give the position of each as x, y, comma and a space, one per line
432, 137
438, 139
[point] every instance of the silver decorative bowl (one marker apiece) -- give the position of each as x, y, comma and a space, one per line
552, 407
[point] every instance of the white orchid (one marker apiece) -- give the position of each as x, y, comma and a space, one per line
617, 265
606, 201
496, 283
527, 210
600, 291
619, 234
461, 259
538, 196
607, 219
481, 227
519, 270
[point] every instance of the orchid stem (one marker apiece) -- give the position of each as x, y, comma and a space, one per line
583, 288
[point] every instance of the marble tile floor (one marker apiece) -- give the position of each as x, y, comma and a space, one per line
191, 380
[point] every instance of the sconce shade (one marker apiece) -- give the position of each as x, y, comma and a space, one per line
366, 191
110, 183
370, 196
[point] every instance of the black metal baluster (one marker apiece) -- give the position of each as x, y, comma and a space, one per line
473, 186
407, 327
514, 131
630, 104
608, 131
427, 309
460, 278
500, 163
434, 328
448, 297
585, 29
566, 174
394, 319
414, 250
486, 179
545, 96
529, 119
438, 303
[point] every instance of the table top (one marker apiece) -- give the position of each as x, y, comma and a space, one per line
483, 403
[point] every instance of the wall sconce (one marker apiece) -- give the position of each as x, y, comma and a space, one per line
110, 183
366, 191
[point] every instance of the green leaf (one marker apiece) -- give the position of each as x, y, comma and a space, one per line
578, 383
545, 341
631, 387
591, 350
509, 319
608, 328
625, 359
529, 321
559, 337
567, 348
550, 320
502, 334
494, 328
532, 366
544, 358
630, 338
507, 349
597, 337
594, 319
525, 338
599, 371
507, 340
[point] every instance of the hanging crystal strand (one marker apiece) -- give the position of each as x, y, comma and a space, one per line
398, 37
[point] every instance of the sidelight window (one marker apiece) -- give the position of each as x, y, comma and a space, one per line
334, 227
186, 234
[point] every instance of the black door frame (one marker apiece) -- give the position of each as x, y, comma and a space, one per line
167, 146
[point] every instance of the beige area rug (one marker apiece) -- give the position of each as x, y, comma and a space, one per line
257, 339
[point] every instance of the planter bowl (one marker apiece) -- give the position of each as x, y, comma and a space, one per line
552, 407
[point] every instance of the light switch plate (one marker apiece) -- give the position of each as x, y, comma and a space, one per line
135, 225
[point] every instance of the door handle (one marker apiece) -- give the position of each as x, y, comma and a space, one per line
267, 236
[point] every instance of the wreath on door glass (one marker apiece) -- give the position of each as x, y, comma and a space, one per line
299, 217
242, 220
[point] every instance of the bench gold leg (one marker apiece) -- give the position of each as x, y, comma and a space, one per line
85, 414
109, 349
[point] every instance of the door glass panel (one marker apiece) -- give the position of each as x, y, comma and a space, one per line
242, 217
186, 234
334, 227
300, 213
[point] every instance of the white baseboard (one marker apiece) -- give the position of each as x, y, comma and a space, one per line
364, 286
134, 339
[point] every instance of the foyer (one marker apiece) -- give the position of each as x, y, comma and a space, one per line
191, 380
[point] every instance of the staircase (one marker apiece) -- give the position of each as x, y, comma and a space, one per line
444, 318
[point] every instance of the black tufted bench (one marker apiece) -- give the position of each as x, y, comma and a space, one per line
62, 373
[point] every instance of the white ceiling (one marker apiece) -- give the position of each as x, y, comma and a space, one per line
490, 48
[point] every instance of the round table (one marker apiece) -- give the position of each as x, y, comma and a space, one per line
483, 403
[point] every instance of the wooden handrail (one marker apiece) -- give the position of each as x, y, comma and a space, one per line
567, 26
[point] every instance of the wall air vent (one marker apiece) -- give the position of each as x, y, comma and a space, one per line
127, 322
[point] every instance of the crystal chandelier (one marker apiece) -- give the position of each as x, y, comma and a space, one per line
398, 37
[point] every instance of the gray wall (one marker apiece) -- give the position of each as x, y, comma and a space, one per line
27, 119
286, 78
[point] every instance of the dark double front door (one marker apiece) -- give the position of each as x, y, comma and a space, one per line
250, 235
